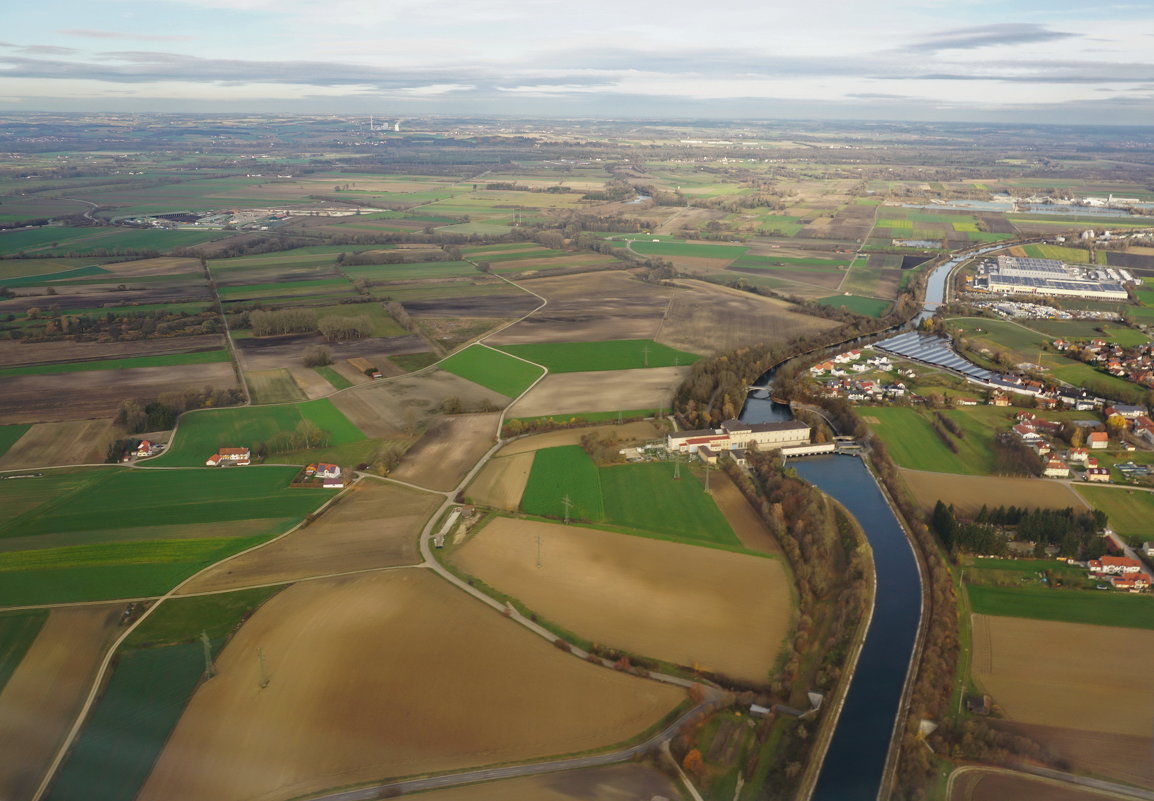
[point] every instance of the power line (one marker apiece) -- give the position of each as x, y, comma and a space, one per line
567, 503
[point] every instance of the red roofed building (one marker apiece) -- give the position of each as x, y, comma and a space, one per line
1098, 440
1115, 565
238, 456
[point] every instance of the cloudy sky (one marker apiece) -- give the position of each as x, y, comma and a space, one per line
984, 60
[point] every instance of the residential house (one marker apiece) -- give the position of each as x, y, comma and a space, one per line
1136, 582
1099, 474
1098, 440
227, 456
1056, 468
325, 470
1114, 566
1078, 455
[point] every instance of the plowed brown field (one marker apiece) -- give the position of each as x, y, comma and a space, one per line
390, 674
448, 450
726, 612
969, 493
374, 524
51, 444
637, 431
46, 691
1071, 675
1123, 757
384, 409
993, 785
501, 482
606, 391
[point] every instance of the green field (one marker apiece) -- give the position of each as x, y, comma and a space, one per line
687, 249
1130, 511
128, 363
17, 631
414, 361
644, 498
54, 241
77, 272
333, 377
913, 443
1069, 255
492, 369
1096, 607
410, 272
10, 434
620, 354
869, 307
129, 725
559, 473
199, 434
181, 620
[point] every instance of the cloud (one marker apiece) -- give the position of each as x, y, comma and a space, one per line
92, 33
1005, 33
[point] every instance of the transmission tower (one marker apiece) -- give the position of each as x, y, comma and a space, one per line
676, 467
645, 355
707, 476
208, 671
567, 503
263, 668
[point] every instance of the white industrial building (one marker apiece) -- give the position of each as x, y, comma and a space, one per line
735, 435
1010, 275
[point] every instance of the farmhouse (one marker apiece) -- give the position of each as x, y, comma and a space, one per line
1114, 566
325, 470
226, 456
736, 435
143, 449
1135, 583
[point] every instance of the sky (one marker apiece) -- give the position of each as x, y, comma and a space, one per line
1057, 61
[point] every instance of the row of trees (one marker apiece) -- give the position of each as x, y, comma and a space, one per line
283, 321
1074, 533
160, 413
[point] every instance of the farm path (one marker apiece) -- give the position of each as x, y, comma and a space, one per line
713, 698
1054, 777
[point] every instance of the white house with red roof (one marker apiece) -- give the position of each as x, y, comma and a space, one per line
227, 456
1098, 440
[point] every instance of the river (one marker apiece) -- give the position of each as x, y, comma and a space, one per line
854, 765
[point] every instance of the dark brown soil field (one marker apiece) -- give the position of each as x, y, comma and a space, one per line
448, 450
77, 396
485, 306
270, 353
374, 524
589, 307
46, 691
710, 319
100, 295
17, 353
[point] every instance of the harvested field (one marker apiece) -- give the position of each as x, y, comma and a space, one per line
573, 393
374, 524
165, 265
1124, 757
74, 396
273, 386
16, 353
710, 319
448, 451
397, 710
43, 696
310, 382
969, 493
501, 482
52, 444
636, 431
641, 595
998, 785
590, 307
1086, 681
391, 407
611, 783
747, 524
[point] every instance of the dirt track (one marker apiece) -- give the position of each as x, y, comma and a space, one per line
48, 688
374, 524
723, 611
1087, 679
367, 680
606, 391
448, 450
